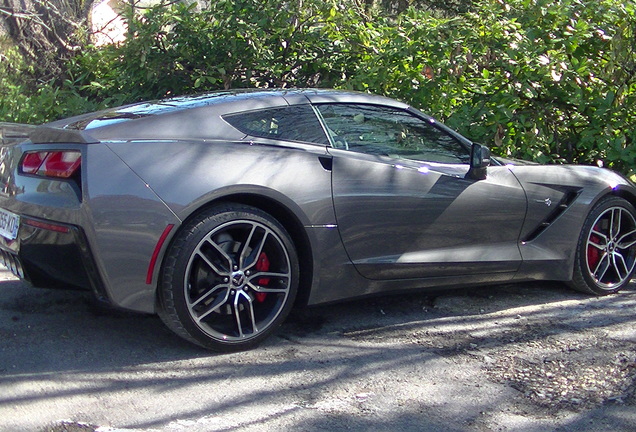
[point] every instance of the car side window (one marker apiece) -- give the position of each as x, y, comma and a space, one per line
390, 132
293, 123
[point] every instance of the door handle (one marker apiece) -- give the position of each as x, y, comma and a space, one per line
326, 162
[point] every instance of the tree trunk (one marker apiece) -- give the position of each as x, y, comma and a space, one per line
47, 32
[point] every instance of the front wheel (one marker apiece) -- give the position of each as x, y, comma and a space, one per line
606, 251
229, 278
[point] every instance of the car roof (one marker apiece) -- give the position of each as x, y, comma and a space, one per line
200, 116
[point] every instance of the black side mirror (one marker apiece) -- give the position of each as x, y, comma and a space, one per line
479, 162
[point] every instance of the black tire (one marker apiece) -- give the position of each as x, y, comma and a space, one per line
606, 251
229, 278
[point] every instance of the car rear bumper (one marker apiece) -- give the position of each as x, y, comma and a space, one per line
51, 254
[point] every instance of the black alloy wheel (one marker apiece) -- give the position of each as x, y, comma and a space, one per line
229, 278
606, 252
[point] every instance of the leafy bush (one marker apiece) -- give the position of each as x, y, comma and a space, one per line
542, 80
247, 43
537, 79
23, 99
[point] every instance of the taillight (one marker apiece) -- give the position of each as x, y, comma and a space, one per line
31, 162
62, 163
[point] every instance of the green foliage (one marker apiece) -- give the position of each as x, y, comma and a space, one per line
551, 81
247, 43
547, 81
25, 100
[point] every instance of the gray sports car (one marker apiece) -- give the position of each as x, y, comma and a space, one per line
221, 211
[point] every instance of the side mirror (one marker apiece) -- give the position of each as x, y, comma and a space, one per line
479, 162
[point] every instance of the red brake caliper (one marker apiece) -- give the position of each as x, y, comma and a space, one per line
262, 265
593, 254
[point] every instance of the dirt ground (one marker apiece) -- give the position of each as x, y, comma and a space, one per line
519, 357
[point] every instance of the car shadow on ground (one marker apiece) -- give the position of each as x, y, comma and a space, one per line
473, 316
77, 333
59, 346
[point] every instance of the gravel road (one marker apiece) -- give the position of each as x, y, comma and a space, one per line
522, 357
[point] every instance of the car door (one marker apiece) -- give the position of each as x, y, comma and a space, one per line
403, 203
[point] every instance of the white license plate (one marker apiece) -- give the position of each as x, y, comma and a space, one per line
9, 223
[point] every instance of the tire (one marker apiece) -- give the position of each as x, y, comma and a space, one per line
606, 250
229, 278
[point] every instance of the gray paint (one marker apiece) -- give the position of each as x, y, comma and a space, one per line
388, 226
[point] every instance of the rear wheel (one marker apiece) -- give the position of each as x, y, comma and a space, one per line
229, 278
606, 252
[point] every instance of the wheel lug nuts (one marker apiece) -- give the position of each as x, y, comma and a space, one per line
226, 280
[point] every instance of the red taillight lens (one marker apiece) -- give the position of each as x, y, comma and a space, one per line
62, 164
31, 162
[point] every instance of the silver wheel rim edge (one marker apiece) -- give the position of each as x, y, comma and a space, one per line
240, 296
616, 248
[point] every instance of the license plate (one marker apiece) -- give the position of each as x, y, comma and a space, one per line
9, 223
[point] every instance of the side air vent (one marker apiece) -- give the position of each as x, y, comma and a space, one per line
563, 205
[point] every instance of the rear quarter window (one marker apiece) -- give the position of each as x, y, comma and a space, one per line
294, 123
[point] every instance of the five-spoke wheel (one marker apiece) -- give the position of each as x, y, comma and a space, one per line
606, 254
230, 277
